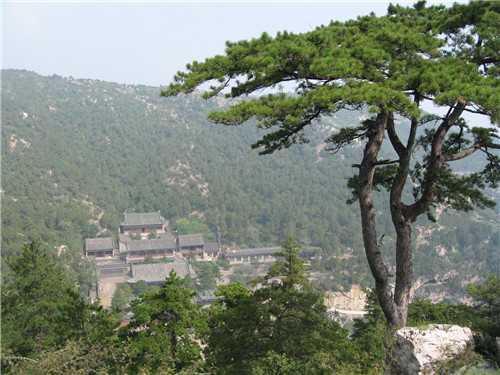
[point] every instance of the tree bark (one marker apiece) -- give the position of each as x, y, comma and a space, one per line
395, 302
379, 270
402, 224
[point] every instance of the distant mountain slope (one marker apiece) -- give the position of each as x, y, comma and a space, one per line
76, 154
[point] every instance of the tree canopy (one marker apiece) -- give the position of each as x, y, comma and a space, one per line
285, 319
39, 308
165, 329
281, 327
392, 66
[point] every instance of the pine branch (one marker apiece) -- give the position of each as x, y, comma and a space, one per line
380, 162
469, 151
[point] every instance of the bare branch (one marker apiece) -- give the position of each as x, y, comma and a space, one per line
24, 359
469, 151
436, 160
393, 137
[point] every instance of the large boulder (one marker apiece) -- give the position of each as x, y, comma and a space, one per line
416, 350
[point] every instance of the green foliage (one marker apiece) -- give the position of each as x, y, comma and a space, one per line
91, 231
121, 298
170, 325
317, 364
189, 226
223, 263
280, 328
135, 236
152, 235
165, 259
376, 63
140, 287
193, 226
423, 312
207, 274
80, 357
46, 327
105, 234
44, 194
99, 325
274, 363
370, 335
488, 293
289, 268
487, 303
148, 259
110, 221
387, 65
231, 295
465, 362
279, 323
188, 282
242, 273
39, 308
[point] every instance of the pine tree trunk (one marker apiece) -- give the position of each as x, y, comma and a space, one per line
394, 303
404, 272
366, 173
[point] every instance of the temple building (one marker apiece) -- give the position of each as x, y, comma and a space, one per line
142, 223
100, 247
260, 255
212, 250
144, 235
138, 250
192, 244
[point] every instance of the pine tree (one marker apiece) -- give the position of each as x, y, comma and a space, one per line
390, 66
283, 318
165, 327
40, 310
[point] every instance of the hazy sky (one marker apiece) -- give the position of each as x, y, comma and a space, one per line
148, 42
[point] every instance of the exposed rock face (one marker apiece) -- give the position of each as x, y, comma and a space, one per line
416, 350
355, 299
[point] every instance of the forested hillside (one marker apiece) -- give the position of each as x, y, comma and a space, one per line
76, 154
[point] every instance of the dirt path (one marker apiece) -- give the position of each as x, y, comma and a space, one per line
107, 287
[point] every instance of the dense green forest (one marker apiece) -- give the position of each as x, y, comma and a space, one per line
76, 154
279, 328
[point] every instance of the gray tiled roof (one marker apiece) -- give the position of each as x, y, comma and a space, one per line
212, 247
252, 252
166, 235
152, 218
158, 272
158, 244
191, 240
94, 244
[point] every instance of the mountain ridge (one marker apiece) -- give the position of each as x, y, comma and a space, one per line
123, 147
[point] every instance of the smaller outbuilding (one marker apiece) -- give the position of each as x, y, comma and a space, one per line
260, 255
212, 250
99, 247
192, 244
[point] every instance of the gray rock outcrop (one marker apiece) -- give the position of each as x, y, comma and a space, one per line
417, 350
354, 299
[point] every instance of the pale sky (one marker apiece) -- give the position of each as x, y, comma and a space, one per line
148, 42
